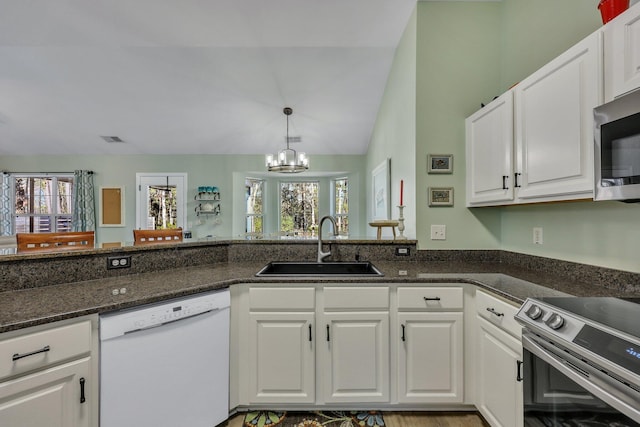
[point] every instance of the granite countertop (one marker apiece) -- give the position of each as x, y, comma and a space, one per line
30, 307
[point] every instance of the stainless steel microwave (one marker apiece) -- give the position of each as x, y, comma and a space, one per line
617, 149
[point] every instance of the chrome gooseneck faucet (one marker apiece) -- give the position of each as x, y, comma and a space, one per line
323, 255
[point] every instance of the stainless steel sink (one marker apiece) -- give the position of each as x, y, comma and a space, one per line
319, 269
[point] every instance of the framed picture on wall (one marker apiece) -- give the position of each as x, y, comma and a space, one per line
440, 196
440, 163
380, 183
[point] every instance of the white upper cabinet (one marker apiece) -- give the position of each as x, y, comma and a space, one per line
489, 144
554, 125
622, 54
535, 142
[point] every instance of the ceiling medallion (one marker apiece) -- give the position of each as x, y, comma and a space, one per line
287, 160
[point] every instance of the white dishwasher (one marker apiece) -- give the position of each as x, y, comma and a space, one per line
166, 364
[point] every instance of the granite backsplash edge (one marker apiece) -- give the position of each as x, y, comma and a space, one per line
30, 273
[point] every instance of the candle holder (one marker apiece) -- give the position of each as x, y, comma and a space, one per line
401, 223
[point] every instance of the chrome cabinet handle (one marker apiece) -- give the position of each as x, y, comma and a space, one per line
493, 311
432, 298
18, 356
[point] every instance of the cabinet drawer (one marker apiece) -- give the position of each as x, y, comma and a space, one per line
363, 298
40, 349
282, 299
498, 312
430, 298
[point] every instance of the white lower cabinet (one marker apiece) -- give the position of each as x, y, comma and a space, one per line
430, 345
355, 354
282, 362
430, 358
281, 345
48, 376
331, 344
46, 398
499, 359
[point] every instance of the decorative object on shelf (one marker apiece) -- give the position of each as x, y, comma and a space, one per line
287, 160
207, 208
440, 196
440, 163
208, 193
401, 222
609, 9
380, 224
380, 191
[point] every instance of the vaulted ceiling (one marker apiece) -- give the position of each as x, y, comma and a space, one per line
193, 76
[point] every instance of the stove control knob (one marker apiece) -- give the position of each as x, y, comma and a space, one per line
555, 321
534, 312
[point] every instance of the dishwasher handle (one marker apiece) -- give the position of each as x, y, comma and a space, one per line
168, 322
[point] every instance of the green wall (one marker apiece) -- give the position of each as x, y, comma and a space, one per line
535, 32
215, 170
598, 233
458, 56
394, 133
467, 53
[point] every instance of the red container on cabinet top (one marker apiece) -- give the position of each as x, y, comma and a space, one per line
609, 9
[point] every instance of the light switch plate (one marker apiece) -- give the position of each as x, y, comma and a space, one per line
438, 232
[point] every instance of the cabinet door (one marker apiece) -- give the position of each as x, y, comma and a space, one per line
554, 125
430, 358
282, 363
356, 357
50, 397
622, 54
489, 145
499, 390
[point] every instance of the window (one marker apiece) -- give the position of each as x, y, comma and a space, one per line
42, 203
161, 201
299, 209
254, 191
341, 205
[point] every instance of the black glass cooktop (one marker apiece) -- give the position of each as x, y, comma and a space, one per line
616, 313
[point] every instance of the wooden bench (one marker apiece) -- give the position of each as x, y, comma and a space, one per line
143, 237
63, 241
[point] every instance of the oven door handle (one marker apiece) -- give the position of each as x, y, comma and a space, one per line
594, 384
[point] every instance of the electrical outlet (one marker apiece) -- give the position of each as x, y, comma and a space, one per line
537, 235
403, 252
122, 261
438, 232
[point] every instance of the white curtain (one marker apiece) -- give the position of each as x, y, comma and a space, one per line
84, 212
5, 205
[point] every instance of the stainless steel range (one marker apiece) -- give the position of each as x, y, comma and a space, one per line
581, 361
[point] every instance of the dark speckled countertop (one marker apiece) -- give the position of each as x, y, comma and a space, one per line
30, 307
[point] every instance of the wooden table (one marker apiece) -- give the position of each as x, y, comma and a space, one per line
384, 223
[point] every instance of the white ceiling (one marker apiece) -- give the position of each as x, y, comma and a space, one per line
193, 76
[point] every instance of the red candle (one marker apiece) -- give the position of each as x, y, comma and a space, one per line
401, 191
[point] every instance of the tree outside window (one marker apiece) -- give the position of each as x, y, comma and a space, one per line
43, 203
299, 209
254, 190
341, 205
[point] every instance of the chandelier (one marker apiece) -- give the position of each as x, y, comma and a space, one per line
288, 160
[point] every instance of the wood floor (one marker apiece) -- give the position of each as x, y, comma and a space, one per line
415, 419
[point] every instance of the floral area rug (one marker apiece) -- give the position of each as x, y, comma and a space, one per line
313, 419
